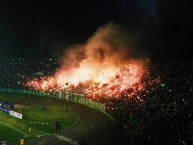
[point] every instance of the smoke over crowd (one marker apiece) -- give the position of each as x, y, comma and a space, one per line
110, 44
107, 64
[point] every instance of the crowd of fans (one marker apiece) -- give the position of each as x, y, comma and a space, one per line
15, 72
162, 113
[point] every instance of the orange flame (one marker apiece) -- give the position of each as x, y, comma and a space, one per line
97, 81
100, 68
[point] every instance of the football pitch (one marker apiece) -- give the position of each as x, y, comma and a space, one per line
39, 116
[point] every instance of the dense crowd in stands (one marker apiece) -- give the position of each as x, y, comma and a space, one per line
164, 114
15, 72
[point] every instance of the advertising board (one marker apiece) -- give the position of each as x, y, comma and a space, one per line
15, 114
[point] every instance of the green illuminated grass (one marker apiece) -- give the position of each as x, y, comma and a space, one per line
7, 132
40, 121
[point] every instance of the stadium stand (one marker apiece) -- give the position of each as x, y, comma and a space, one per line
164, 116
14, 72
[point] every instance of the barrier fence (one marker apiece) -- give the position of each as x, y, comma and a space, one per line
63, 95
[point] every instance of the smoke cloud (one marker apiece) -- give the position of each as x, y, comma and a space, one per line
110, 44
106, 65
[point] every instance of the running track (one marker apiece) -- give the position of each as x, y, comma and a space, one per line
93, 126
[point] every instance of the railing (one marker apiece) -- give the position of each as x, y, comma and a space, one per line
63, 95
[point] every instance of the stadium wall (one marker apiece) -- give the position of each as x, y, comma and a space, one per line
62, 95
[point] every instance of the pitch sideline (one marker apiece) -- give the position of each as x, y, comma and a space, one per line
14, 129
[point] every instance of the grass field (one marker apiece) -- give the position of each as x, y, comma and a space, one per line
41, 122
9, 132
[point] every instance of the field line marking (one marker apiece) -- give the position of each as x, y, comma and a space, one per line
14, 128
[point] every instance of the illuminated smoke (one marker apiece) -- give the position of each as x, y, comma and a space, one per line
103, 67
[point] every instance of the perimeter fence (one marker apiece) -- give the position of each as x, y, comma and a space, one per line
62, 95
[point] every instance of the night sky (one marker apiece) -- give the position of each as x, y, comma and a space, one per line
34, 28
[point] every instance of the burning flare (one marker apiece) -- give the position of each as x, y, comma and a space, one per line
100, 68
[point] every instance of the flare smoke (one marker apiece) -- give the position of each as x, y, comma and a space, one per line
103, 66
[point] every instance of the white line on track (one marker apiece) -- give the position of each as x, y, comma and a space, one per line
85, 130
74, 123
14, 128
